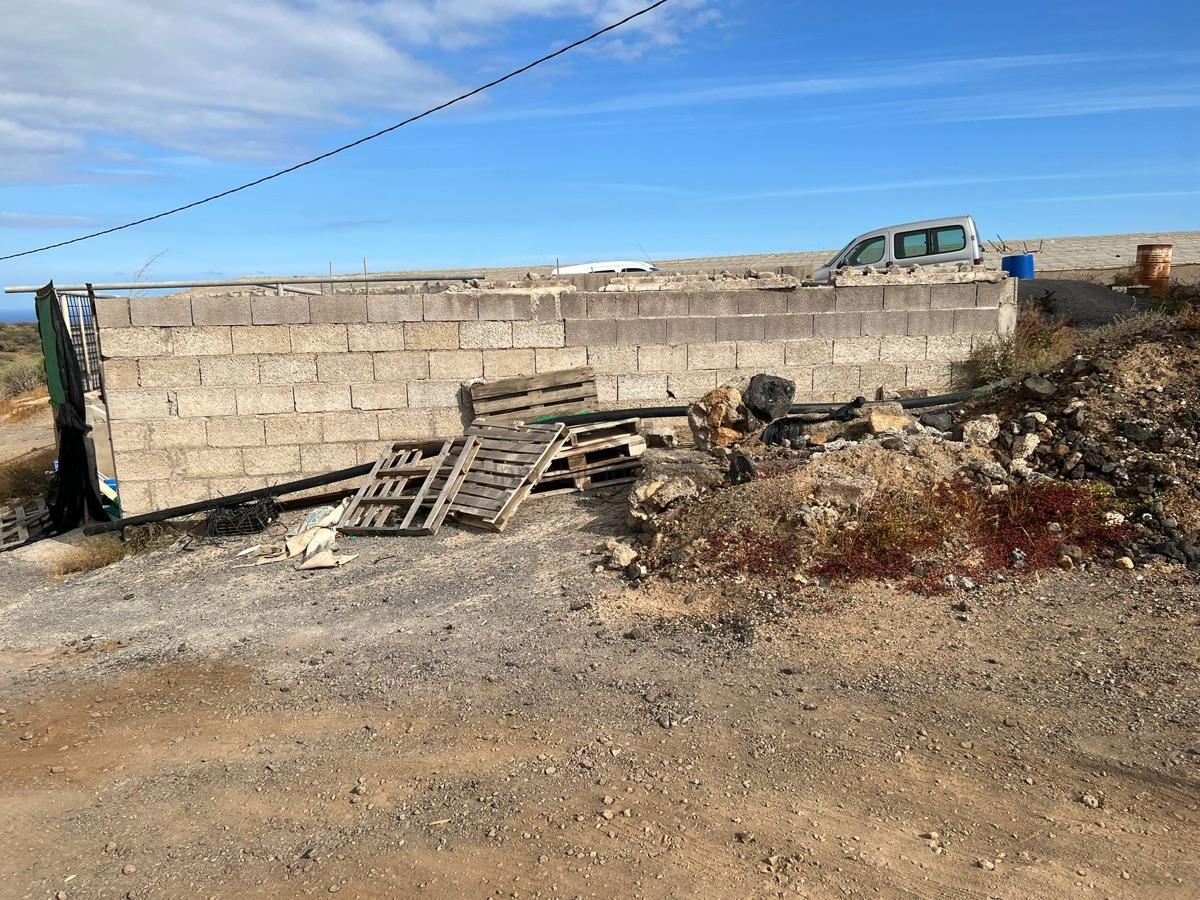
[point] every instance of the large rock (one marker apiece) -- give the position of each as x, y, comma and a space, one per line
768, 397
981, 431
718, 419
881, 417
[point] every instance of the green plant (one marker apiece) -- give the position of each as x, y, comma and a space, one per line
21, 376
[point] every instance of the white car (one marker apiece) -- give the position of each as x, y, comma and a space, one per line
611, 267
928, 243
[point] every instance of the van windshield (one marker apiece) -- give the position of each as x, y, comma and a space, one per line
839, 253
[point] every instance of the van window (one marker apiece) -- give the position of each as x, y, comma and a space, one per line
947, 240
867, 253
912, 243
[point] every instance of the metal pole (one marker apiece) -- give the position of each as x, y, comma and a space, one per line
245, 282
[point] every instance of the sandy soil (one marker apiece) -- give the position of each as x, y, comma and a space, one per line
476, 715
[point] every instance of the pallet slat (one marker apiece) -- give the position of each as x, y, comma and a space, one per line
530, 397
594, 456
490, 501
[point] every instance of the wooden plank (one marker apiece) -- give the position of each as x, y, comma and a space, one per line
491, 503
523, 383
529, 397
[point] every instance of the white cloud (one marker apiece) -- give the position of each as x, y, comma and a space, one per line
43, 220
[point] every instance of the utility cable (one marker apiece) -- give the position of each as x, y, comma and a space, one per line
362, 140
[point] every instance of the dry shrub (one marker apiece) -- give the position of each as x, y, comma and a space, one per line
21, 376
750, 552
1128, 326
104, 550
1037, 344
882, 543
27, 477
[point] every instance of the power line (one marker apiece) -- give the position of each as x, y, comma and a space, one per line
352, 144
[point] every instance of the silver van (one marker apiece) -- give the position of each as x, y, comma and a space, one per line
928, 243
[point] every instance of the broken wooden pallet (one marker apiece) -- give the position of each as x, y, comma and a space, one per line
594, 456
510, 461
532, 397
22, 521
411, 488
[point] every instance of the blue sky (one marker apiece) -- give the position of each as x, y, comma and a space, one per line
709, 128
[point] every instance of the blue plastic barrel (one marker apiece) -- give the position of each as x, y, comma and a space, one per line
1019, 265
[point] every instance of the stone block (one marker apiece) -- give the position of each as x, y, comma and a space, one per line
692, 330
505, 307
235, 431
135, 342
837, 324
291, 369
931, 376
591, 332
112, 312
401, 365
878, 323
722, 355
427, 394
370, 451
485, 335
176, 434
279, 460
210, 462
293, 429
327, 457
906, 296
319, 338
337, 309
405, 424
899, 348
761, 303
688, 386
169, 371
506, 363
789, 327
712, 303
223, 371
659, 358
120, 374
660, 304
855, 350
395, 307
377, 336
431, 335
205, 340
256, 339
741, 328
759, 354
1006, 320
455, 364
612, 306
571, 306
185, 490
839, 379
812, 300
449, 422
450, 307
639, 332
976, 321
538, 334
814, 352
137, 497
262, 399
138, 404
321, 397
951, 296
858, 298
641, 387
947, 347
552, 359
210, 309
890, 376
286, 310
147, 465
344, 368
196, 402
613, 360
989, 293
606, 388
358, 425
930, 321
134, 435
170, 310
379, 395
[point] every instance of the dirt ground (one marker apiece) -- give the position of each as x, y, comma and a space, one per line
478, 715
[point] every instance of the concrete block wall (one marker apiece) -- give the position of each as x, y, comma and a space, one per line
210, 394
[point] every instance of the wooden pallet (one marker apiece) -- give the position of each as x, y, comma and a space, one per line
510, 461
21, 522
411, 488
594, 456
528, 398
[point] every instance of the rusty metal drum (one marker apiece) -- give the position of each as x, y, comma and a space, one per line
1153, 267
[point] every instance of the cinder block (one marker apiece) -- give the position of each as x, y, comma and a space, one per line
855, 350
147, 465
811, 300
319, 338
112, 312
606, 388
344, 368
837, 378
427, 394
120, 374
657, 358
712, 356
757, 354
691, 385
235, 431
591, 332
248, 339
538, 334
952, 296
176, 434
504, 363
405, 423
877, 323
552, 359
948, 347
139, 404
902, 349
930, 321
613, 360
814, 352
906, 296
455, 364
370, 451
989, 293
377, 336
450, 307
802, 376
293, 429
184, 490
292, 369
321, 397
544, 308
612, 306
932, 376
505, 307
976, 321
137, 497
210, 462
401, 365
789, 327
484, 335
761, 303
571, 305
692, 330
286, 310
713, 303
659, 304
431, 335
169, 371
890, 376
337, 309
742, 328
263, 399
379, 395
133, 435
395, 308
358, 425
639, 332
327, 457
859, 298
170, 310
219, 310
195, 402
222, 371
134, 342
281, 460
837, 324
449, 422
205, 340
641, 387
1007, 318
